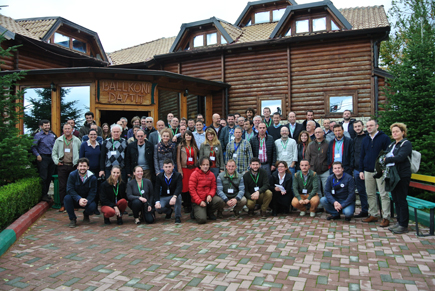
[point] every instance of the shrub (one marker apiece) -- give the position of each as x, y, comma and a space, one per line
17, 198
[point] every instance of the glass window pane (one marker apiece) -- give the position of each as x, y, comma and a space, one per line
277, 14
340, 104
198, 40
74, 103
212, 38
61, 39
79, 45
319, 24
223, 40
274, 105
302, 26
262, 17
37, 106
249, 23
334, 26
289, 32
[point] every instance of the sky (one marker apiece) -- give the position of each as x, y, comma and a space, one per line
127, 23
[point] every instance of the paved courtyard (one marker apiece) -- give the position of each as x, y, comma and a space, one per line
286, 252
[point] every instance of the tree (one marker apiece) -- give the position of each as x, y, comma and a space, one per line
409, 56
14, 148
40, 108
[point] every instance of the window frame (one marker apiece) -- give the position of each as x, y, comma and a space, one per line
341, 93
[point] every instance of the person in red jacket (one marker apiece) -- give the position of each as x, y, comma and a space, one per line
202, 188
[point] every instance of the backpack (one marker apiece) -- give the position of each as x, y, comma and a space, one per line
414, 160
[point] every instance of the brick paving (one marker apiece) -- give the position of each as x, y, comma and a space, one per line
286, 252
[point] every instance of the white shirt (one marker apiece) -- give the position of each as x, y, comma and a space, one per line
289, 154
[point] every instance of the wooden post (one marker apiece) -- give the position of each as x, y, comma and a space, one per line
55, 111
208, 109
183, 105
92, 98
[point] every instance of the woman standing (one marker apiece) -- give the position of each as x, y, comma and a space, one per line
283, 195
140, 196
212, 148
165, 149
106, 131
187, 161
112, 196
398, 153
303, 142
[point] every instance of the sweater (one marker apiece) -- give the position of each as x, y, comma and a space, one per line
316, 155
250, 184
344, 190
201, 185
370, 149
218, 154
275, 132
113, 153
92, 154
312, 185
78, 189
108, 195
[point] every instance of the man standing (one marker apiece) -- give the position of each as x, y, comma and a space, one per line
200, 117
174, 126
155, 137
199, 134
169, 118
230, 190
240, 151
287, 149
358, 126
167, 192
42, 148
341, 150
75, 132
326, 126
140, 153
113, 153
227, 134
305, 189
311, 126
267, 120
248, 132
309, 116
257, 187
257, 120
263, 148
339, 194
331, 136
81, 192
372, 144
191, 125
316, 155
249, 112
124, 126
240, 121
348, 123
294, 127
84, 130
216, 124
275, 129
149, 128
65, 155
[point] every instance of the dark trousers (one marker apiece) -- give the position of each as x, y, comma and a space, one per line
46, 169
399, 194
281, 203
187, 200
70, 204
361, 186
138, 206
63, 172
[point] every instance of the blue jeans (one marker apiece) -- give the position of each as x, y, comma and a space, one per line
292, 170
166, 208
70, 204
361, 186
347, 211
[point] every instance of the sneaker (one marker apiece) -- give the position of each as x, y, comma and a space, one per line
86, 218
362, 214
245, 208
251, 213
137, 221
391, 228
302, 213
312, 214
220, 214
119, 221
347, 218
107, 221
72, 223
168, 216
400, 230
177, 220
332, 217
263, 214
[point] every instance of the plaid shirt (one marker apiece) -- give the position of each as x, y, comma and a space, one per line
244, 155
262, 155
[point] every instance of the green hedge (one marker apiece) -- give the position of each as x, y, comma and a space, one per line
17, 198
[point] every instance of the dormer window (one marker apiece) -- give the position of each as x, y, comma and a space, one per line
206, 38
198, 40
319, 24
266, 16
262, 17
334, 26
211, 38
70, 42
277, 14
302, 26
61, 39
310, 24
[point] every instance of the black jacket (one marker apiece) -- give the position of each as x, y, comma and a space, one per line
217, 133
270, 148
107, 194
133, 191
299, 127
304, 124
287, 184
401, 152
347, 159
357, 142
274, 132
175, 186
132, 156
350, 129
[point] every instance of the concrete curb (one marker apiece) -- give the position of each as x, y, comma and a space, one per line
19, 226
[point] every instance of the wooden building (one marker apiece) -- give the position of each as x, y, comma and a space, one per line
295, 57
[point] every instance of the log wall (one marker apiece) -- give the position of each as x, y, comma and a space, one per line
168, 102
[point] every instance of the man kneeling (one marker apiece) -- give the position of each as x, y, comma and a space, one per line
339, 194
305, 189
81, 189
230, 190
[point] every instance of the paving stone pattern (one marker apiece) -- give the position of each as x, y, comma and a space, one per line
286, 252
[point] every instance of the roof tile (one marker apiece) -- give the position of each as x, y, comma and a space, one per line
366, 17
14, 27
232, 30
38, 27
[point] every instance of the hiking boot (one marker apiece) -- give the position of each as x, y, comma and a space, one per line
72, 223
86, 218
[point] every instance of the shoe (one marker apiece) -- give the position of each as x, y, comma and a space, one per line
177, 220
400, 230
86, 218
119, 221
274, 213
370, 219
263, 214
245, 208
385, 222
362, 214
319, 210
137, 221
46, 198
302, 213
192, 215
212, 217
168, 216
220, 214
62, 209
312, 214
236, 214
107, 221
251, 212
72, 223
347, 218
391, 228
332, 217
97, 212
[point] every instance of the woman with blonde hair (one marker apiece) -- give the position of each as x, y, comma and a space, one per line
106, 131
303, 141
212, 149
187, 160
112, 196
165, 149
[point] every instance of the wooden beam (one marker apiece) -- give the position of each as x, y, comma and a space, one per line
208, 108
55, 111
183, 105
289, 82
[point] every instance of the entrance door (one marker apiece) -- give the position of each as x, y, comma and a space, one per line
112, 116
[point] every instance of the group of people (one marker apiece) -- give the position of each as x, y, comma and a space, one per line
252, 162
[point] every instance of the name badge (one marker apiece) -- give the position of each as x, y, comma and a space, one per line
215, 149
113, 153
232, 137
142, 191
256, 188
332, 191
212, 158
284, 153
337, 156
304, 191
67, 150
260, 152
190, 159
342, 185
230, 191
168, 191
234, 155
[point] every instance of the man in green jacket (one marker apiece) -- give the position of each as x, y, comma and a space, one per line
230, 190
257, 188
305, 189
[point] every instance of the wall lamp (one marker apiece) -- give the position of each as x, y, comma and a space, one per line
53, 87
186, 92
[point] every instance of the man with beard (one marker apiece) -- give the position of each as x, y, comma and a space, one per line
84, 130
263, 148
358, 126
348, 123
191, 125
341, 150
216, 118
227, 134
248, 132
257, 187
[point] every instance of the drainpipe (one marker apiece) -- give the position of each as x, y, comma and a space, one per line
376, 46
226, 102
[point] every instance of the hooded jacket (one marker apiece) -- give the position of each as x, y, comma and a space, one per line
201, 185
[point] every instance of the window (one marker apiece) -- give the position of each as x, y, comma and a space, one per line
302, 26
61, 39
223, 40
198, 40
249, 23
262, 17
79, 45
334, 26
289, 32
275, 103
337, 102
319, 24
277, 14
211, 38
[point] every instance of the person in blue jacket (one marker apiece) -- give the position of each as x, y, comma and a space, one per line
339, 194
341, 150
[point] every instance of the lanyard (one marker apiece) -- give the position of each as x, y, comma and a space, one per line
176, 131
189, 151
268, 123
292, 128
286, 142
140, 187
67, 143
255, 180
117, 189
113, 144
235, 148
303, 181
248, 136
168, 183
335, 184
261, 142
160, 138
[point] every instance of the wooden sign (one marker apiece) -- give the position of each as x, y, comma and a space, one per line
124, 92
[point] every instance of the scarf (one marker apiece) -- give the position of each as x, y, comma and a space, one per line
163, 149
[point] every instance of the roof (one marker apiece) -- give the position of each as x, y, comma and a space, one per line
15, 28
38, 26
255, 3
366, 17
